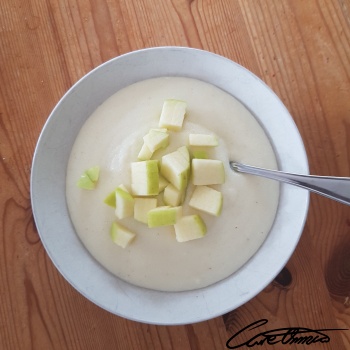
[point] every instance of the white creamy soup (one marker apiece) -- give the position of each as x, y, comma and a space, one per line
112, 137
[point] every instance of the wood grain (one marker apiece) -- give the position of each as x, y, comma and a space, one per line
301, 49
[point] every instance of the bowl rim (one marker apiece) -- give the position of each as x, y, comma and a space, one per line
163, 308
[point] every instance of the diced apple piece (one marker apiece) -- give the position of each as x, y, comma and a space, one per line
85, 182
145, 178
89, 178
163, 182
190, 227
156, 139
184, 151
207, 172
200, 154
163, 216
142, 207
202, 140
145, 153
93, 173
110, 199
124, 203
173, 114
121, 235
175, 168
206, 199
172, 196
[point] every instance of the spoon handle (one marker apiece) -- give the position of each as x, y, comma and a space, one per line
337, 188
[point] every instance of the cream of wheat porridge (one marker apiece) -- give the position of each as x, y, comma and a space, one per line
112, 138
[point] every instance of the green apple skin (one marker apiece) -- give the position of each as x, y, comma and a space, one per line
163, 216
190, 227
86, 183
110, 199
173, 114
200, 154
207, 172
207, 199
121, 235
89, 178
93, 173
145, 178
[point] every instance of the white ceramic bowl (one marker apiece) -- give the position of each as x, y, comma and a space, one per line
48, 182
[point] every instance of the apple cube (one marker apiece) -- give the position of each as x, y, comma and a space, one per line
184, 151
124, 203
163, 216
175, 168
110, 199
121, 235
89, 178
172, 196
145, 178
93, 173
145, 153
190, 227
173, 114
206, 199
202, 140
85, 182
207, 172
142, 207
156, 139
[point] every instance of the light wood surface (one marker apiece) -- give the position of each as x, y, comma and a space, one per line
301, 49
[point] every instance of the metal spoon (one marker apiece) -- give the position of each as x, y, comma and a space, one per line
337, 188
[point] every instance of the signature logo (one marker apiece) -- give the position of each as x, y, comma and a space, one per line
285, 336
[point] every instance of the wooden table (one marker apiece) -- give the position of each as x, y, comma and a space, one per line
301, 49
